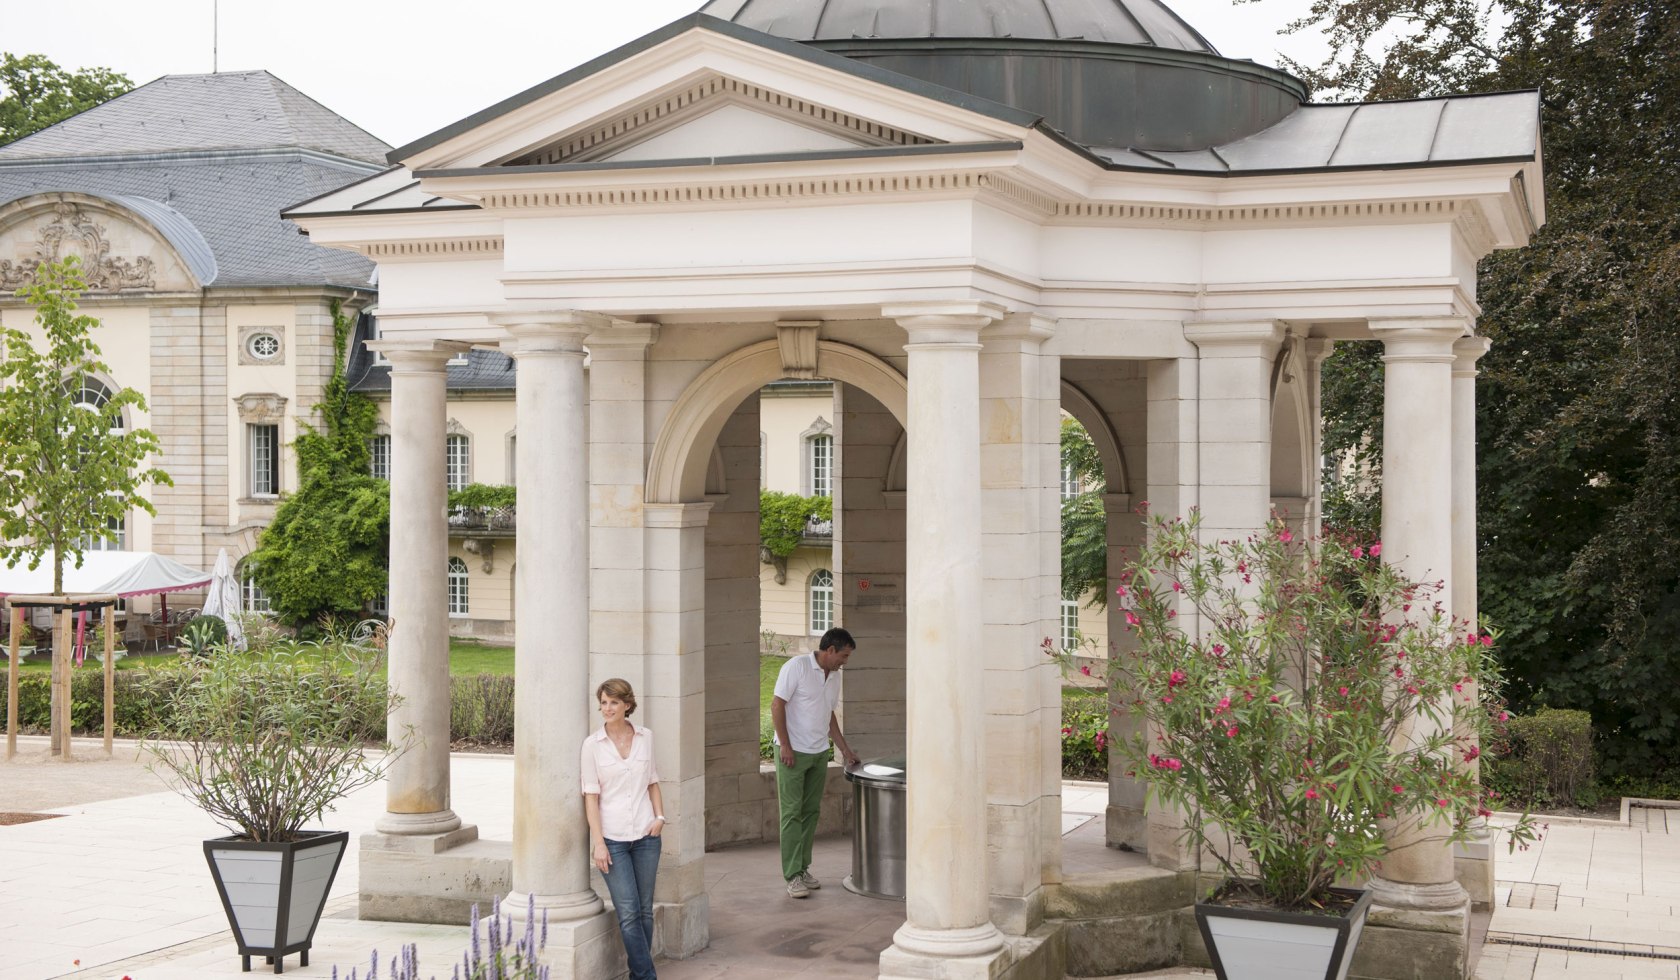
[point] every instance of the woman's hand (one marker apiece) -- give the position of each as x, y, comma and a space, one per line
602, 859
657, 827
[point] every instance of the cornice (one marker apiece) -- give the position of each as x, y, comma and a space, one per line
426, 248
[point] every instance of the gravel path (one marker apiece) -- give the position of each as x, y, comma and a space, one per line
36, 780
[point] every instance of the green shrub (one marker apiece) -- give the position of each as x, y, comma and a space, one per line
203, 634
1547, 761
1085, 736
138, 698
481, 709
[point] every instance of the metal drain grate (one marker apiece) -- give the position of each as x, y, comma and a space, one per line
1565, 945
1528, 895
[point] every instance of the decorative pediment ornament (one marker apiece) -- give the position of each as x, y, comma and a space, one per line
455, 428
265, 408
70, 232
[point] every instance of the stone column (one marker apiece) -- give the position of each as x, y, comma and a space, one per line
1472, 859
948, 931
1235, 425
552, 703
1314, 352
1417, 504
417, 788
1020, 440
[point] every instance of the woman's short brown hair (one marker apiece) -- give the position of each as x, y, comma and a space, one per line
618, 689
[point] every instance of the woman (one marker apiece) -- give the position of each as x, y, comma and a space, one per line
626, 816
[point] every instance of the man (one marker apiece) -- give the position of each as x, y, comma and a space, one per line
807, 690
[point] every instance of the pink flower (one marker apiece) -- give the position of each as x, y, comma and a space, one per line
1174, 679
1312, 794
1223, 706
1342, 691
1376, 549
1274, 699
1121, 592
1504, 717
1131, 618
1231, 732
1487, 641
1473, 752
1166, 699
1399, 788
1358, 552
1177, 587
1174, 765
1286, 536
1442, 802
1086, 670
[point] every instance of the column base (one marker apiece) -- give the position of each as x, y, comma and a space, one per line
1415, 942
681, 929
431, 878
436, 822
1126, 828
585, 949
558, 908
1402, 896
974, 953
1473, 866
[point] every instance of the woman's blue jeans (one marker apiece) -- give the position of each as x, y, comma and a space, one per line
630, 882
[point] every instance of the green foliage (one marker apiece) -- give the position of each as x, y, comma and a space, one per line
35, 93
782, 518
484, 496
202, 635
265, 743
1548, 760
66, 470
1084, 520
1578, 425
481, 710
1085, 736
327, 549
1314, 699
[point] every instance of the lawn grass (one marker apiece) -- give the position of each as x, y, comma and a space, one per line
466, 659
768, 668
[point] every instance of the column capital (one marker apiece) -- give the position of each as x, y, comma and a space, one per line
944, 321
1032, 328
677, 515
547, 331
1236, 339
1314, 350
622, 335
1466, 353
1422, 339
418, 356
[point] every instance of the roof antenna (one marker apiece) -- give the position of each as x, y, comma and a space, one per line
215, 35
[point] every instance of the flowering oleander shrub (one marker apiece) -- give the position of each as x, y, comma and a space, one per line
1302, 698
1085, 736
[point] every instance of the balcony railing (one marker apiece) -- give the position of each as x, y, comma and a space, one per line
504, 519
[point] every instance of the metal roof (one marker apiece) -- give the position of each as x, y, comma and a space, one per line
227, 111
1115, 21
485, 370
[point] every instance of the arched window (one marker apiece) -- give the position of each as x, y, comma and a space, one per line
457, 587
458, 461
252, 598
822, 601
92, 394
380, 452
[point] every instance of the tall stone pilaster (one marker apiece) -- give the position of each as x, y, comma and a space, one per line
1473, 859
948, 930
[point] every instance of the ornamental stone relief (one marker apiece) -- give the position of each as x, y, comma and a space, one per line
68, 230
263, 408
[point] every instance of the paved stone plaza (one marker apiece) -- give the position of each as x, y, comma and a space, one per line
116, 886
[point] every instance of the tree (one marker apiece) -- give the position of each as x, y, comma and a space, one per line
1578, 420
70, 468
35, 93
1084, 519
782, 519
327, 548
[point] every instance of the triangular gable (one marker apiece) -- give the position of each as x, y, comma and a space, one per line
716, 117
674, 77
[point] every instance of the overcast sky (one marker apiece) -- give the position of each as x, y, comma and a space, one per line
402, 70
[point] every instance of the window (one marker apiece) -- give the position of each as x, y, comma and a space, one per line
457, 587
381, 605
1070, 623
380, 452
265, 460
263, 346
252, 599
457, 457
1070, 481
822, 601
115, 537
821, 450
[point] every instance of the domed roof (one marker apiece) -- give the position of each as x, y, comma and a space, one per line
1147, 22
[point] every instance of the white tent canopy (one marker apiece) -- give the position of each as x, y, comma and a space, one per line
123, 573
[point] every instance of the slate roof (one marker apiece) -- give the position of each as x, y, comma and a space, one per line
485, 370
212, 158
241, 110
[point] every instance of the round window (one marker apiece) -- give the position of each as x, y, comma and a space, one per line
263, 346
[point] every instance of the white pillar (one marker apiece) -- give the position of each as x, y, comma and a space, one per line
948, 927
552, 703
1235, 424
417, 787
1315, 351
1417, 538
1473, 859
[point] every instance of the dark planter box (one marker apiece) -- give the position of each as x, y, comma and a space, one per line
273, 893
1245, 943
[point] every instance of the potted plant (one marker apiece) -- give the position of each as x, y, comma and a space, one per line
1300, 699
266, 743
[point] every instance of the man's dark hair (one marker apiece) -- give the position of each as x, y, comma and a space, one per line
837, 639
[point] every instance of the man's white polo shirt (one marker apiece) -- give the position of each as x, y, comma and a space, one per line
811, 699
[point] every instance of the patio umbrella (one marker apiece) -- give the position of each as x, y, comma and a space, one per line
223, 598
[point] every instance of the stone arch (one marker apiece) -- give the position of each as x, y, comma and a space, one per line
1083, 408
1293, 468
677, 472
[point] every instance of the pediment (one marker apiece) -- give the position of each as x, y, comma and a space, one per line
119, 252
718, 116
